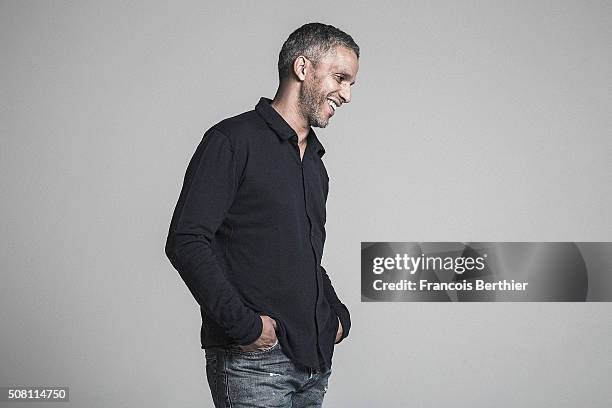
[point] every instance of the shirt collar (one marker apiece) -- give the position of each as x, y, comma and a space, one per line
281, 127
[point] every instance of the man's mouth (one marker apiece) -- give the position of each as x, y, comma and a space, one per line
333, 105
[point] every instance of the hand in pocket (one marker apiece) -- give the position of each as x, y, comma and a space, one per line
267, 339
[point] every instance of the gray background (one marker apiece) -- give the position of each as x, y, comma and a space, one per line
470, 121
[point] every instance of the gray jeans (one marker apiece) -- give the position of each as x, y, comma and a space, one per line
241, 379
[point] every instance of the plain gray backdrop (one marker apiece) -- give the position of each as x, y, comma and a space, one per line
470, 121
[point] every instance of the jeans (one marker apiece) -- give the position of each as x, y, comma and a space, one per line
267, 379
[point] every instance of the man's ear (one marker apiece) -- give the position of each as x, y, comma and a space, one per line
300, 67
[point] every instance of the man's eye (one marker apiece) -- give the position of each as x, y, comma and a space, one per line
339, 79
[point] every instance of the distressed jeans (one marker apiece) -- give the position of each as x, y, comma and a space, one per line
266, 379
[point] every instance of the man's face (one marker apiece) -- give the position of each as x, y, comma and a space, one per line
328, 86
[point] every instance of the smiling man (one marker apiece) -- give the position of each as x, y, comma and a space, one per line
248, 231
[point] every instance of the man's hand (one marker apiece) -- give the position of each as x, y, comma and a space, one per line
340, 331
267, 338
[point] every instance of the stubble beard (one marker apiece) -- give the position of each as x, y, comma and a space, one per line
310, 103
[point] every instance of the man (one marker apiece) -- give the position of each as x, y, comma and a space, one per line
248, 231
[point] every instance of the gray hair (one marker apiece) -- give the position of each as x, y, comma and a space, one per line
314, 41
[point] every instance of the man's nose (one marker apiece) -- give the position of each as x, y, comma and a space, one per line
345, 94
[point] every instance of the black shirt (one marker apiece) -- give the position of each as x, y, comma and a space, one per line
247, 237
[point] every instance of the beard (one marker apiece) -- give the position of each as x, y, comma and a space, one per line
311, 101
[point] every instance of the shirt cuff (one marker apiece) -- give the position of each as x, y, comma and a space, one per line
345, 319
252, 334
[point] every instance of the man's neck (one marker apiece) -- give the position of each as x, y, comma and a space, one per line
291, 114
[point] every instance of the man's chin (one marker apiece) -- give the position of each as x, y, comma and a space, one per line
320, 123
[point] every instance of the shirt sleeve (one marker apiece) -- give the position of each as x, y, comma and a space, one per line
328, 289
209, 188
339, 308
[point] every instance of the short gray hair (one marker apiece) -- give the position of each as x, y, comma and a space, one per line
314, 41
